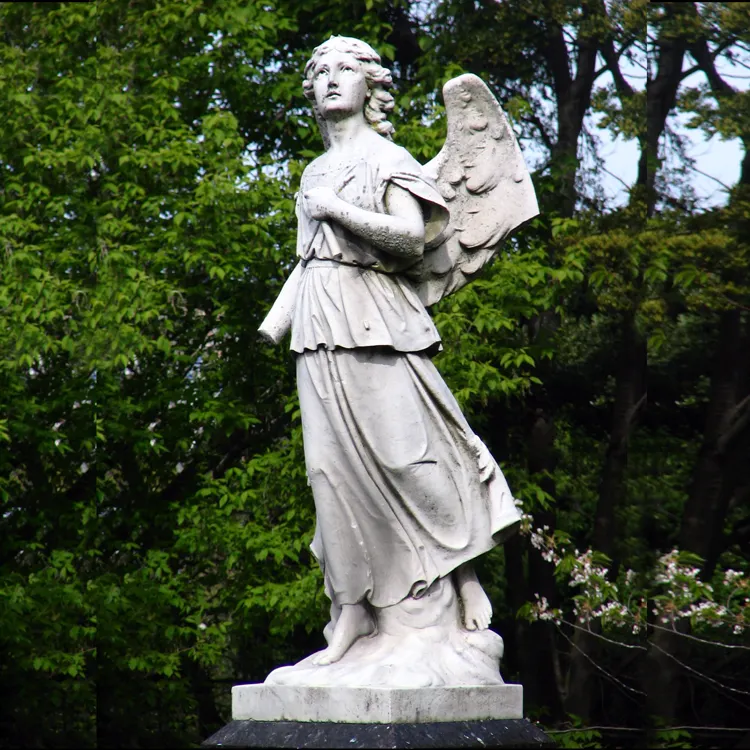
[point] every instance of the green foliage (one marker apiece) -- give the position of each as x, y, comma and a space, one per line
155, 517
577, 737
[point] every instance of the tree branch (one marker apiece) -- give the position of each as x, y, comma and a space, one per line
612, 58
534, 120
707, 62
690, 71
556, 54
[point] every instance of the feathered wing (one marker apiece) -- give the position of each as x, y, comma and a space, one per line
483, 179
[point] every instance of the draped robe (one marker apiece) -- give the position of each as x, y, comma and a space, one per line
393, 464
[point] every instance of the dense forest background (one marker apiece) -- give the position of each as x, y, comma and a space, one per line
154, 513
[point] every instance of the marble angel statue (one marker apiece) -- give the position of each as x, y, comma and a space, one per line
406, 495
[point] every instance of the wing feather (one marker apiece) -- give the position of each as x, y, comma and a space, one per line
483, 179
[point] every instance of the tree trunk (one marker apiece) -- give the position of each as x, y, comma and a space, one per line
733, 456
535, 653
573, 97
661, 95
630, 395
662, 679
700, 520
541, 654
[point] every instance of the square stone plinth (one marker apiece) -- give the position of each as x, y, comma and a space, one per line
376, 705
497, 733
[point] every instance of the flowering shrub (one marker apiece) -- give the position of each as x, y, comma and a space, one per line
673, 590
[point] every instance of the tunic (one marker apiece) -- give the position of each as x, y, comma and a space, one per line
392, 462
361, 300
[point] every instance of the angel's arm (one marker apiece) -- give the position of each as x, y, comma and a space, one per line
399, 232
279, 318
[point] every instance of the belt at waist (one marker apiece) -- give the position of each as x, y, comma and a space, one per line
316, 262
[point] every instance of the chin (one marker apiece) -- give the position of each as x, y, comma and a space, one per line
338, 109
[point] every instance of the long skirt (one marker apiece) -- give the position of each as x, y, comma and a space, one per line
394, 470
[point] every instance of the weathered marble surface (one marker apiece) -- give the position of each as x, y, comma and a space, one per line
420, 643
376, 705
406, 494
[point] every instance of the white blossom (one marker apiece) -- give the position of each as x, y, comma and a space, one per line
730, 576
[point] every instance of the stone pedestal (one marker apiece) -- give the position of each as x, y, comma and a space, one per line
447, 734
363, 705
336, 717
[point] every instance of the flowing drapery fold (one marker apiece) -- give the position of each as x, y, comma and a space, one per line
394, 471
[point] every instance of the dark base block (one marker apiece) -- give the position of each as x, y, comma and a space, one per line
448, 734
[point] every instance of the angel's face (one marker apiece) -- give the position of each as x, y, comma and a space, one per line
339, 85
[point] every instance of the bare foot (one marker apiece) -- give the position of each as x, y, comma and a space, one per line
353, 623
331, 626
476, 604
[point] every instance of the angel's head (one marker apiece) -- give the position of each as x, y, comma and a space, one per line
344, 72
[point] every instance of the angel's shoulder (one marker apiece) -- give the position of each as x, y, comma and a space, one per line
393, 158
319, 172
317, 165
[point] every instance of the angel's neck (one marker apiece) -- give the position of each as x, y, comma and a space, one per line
345, 134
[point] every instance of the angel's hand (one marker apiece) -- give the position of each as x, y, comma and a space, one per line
321, 202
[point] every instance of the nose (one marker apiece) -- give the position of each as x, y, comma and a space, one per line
333, 79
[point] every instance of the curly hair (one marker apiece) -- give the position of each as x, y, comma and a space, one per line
379, 102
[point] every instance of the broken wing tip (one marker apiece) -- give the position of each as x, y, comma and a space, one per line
466, 83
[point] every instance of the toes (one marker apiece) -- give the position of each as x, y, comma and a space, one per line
487, 613
322, 659
479, 620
